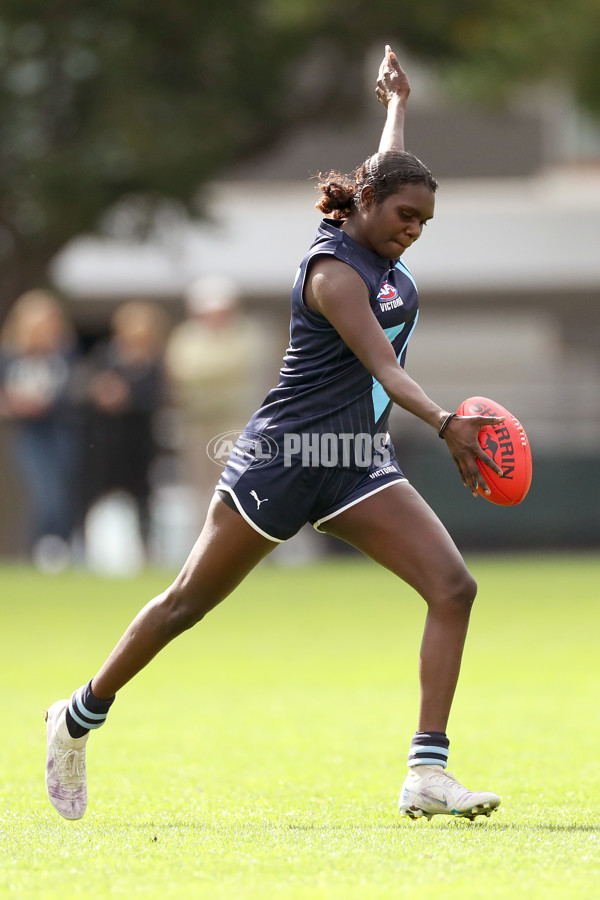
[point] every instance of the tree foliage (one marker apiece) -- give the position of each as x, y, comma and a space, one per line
122, 97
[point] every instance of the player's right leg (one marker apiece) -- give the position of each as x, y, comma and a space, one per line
226, 551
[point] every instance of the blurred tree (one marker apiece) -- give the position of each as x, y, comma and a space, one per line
122, 97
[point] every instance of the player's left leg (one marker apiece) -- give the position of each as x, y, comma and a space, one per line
397, 529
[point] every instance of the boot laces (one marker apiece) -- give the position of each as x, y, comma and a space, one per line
70, 763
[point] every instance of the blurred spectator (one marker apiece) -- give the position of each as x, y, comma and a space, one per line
124, 389
38, 353
212, 359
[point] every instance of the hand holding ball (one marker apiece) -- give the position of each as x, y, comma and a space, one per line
507, 444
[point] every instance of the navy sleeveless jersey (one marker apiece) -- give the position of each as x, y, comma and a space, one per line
323, 387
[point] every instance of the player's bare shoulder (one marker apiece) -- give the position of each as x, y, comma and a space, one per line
330, 281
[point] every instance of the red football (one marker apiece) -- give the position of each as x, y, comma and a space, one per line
508, 446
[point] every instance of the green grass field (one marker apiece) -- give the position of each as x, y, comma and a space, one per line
261, 755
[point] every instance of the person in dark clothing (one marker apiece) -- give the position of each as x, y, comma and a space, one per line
124, 388
38, 357
317, 450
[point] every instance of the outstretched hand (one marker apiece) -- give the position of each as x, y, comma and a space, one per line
392, 80
461, 436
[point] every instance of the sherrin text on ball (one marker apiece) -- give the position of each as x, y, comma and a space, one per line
507, 444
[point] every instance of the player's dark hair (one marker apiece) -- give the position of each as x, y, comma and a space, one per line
385, 172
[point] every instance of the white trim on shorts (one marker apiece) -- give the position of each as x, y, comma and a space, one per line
244, 514
342, 509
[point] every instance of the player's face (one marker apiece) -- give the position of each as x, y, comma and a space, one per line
390, 227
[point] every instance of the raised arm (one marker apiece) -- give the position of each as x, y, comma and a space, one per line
392, 90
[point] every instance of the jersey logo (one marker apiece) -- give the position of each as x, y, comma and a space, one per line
387, 292
258, 502
389, 297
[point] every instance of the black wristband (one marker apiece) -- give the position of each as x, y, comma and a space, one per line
445, 424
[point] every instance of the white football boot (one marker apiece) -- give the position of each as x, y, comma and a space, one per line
65, 765
431, 791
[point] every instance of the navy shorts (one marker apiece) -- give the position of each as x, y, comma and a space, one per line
277, 500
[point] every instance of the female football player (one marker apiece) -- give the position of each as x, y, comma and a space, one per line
354, 305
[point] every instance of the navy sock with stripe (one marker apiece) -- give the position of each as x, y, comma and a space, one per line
429, 748
85, 711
